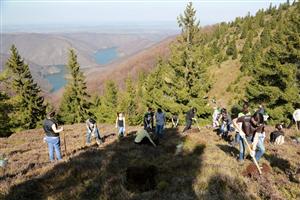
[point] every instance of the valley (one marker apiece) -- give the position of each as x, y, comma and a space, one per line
96, 51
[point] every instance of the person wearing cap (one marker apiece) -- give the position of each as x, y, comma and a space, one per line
52, 136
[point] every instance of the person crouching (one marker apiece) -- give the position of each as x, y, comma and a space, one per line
277, 136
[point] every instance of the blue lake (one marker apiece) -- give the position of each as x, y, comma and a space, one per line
58, 80
102, 56
105, 56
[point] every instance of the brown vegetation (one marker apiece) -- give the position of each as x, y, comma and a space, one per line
206, 168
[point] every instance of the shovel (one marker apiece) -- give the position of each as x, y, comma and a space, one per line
248, 146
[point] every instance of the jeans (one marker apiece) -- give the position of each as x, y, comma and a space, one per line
243, 146
121, 131
53, 143
159, 130
260, 148
88, 136
225, 128
237, 138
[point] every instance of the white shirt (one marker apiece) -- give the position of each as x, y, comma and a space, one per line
296, 115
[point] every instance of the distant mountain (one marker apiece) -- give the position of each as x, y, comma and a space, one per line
52, 49
36, 71
129, 67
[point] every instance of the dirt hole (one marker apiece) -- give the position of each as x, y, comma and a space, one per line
251, 170
141, 178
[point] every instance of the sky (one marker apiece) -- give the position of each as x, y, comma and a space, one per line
115, 12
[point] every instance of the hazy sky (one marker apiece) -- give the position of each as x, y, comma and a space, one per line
97, 12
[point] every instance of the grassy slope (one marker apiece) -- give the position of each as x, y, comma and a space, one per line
206, 169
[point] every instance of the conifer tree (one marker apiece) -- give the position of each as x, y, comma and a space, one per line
189, 24
181, 82
29, 108
109, 103
74, 106
275, 82
265, 37
232, 50
128, 103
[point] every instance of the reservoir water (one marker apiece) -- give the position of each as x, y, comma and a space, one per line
102, 57
57, 80
105, 56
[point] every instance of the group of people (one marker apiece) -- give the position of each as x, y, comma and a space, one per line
150, 134
250, 129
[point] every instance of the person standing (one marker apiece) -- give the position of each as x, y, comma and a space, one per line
92, 130
148, 119
190, 116
52, 136
160, 122
175, 121
215, 117
120, 124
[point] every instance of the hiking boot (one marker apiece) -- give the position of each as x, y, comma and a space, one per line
241, 162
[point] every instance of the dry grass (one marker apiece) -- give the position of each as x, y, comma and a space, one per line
205, 169
223, 76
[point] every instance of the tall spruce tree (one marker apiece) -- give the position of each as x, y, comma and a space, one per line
189, 25
74, 106
181, 82
28, 104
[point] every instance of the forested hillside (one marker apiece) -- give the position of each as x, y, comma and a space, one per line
258, 57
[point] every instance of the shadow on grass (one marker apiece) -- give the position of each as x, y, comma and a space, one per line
280, 163
101, 173
232, 151
222, 186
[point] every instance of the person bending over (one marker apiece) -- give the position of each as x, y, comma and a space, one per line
143, 137
251, 128
92, 130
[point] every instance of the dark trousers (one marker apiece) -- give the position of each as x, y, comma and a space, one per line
188, 125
